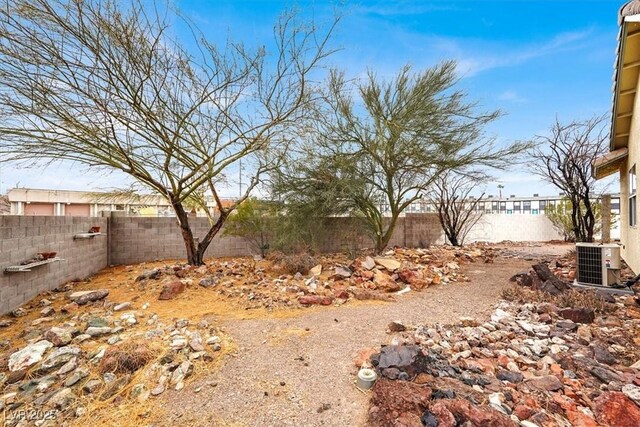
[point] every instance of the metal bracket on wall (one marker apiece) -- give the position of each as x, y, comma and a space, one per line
86, 235
27, 267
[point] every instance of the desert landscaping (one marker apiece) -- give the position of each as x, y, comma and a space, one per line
323, 214
244, 342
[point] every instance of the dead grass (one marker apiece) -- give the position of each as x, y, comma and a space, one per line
571, 298
127, 357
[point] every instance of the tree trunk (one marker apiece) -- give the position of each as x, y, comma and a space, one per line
206, 240
382, 240
187, 234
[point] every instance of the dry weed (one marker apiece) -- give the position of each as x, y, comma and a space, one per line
127, 357
297, 263
571, 298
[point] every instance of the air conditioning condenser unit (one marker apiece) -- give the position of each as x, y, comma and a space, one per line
599, 267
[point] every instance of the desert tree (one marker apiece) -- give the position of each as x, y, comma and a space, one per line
110, 85
564, 158
378, 146
458, 211
254, 220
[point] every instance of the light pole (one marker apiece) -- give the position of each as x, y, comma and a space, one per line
500, 187
240, 180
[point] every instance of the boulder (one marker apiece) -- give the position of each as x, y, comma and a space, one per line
396, 400
578, 315
389, 264
385, 282
28, 356
84, 297
58, 336
614, 409
405, 358
171, 290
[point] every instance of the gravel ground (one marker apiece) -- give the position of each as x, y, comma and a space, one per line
286, 370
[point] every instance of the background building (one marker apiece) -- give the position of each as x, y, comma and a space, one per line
30, 201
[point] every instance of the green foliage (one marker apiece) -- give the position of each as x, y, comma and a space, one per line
560, 216
373, 156
254, 221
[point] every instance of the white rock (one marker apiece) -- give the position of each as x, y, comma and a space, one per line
632, 392
499, 315
28, 356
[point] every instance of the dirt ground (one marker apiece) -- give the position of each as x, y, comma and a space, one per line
300, 370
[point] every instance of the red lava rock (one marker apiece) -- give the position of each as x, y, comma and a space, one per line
614, 409
366, 274
395, 398
341, 294
171, 290
464, 411
503, 360
578, 315
364, 356
545, 382
315, 300
443, 415
523, 412
407, 276
580, 419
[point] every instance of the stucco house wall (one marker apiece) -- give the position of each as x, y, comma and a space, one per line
630, 235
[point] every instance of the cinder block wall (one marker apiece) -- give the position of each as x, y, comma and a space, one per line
138, 239
22, 237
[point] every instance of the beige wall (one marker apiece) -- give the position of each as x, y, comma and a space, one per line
77, 210
630, 236
39, 209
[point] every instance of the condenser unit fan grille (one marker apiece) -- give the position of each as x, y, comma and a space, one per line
589, 264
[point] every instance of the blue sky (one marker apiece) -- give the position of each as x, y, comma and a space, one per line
534, 60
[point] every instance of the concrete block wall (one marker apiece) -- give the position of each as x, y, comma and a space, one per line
22, 237
517, 228
139, 239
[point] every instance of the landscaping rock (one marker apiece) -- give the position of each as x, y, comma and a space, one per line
84, 297
60, 356
171, 290
578, 315
614, 409
122, 306
96, 331
390, 264
149, 274
315, 300
58, 336
28, 356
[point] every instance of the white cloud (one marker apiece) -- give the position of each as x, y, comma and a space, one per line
511, 96
498, 57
